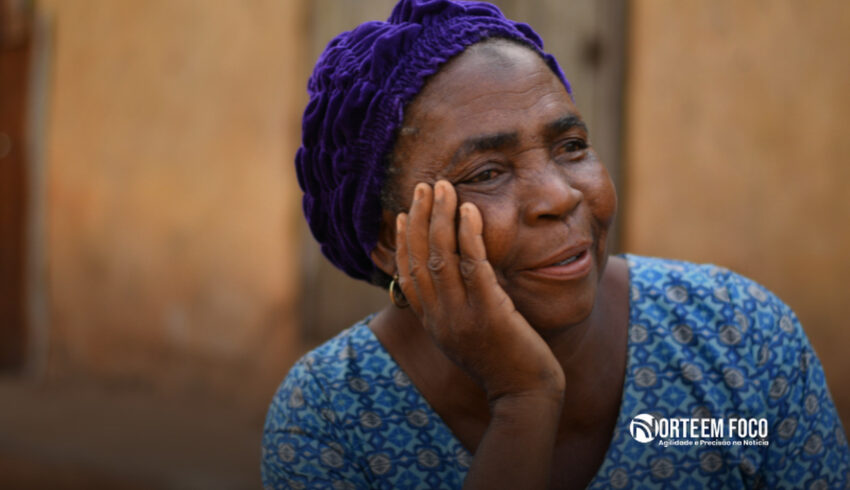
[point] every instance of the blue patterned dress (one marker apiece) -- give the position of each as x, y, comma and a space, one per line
703, 342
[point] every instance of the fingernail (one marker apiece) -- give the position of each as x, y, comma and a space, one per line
418, 192
399, 221
464, 211
439, 191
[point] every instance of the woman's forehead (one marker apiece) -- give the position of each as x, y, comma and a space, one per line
491, 87
481, 77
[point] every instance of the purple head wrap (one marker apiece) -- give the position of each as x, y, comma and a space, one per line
358, 92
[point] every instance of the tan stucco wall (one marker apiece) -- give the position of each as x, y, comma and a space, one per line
737, 151
171, 242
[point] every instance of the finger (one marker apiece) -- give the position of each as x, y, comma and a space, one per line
405, 282
443, 260
417, 244
477, 273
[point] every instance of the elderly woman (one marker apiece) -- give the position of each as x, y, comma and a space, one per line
443, 158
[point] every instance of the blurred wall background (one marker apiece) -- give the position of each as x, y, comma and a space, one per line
169, 281
167, 253
170, 198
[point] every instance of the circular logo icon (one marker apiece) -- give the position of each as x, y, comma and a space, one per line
643, 428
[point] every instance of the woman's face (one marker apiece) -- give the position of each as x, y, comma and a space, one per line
499, 125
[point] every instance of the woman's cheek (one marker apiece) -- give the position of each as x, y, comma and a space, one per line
603, 197
500, 230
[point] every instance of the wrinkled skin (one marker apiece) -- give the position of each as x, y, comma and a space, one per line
503, 187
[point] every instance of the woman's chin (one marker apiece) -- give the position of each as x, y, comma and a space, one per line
551, 315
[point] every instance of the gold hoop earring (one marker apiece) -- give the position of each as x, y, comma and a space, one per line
396, 294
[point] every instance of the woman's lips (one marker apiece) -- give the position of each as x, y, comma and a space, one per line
573, 267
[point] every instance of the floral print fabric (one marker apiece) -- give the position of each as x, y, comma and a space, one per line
703, 342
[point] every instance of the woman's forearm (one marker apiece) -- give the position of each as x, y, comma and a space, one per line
516, 450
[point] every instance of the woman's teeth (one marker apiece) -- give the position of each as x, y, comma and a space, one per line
569, 260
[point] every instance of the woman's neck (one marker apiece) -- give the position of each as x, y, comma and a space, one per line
592, 354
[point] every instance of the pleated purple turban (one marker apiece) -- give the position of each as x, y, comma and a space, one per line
358, 92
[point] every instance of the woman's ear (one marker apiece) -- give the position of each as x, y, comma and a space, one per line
383, 255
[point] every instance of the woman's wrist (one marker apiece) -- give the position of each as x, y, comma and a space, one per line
516, 450
528, 405
548, 390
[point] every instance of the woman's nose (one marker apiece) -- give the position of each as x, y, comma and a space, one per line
549, 194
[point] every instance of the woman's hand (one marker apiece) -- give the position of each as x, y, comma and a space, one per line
453, 290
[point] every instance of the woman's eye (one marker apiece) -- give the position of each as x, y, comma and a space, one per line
482, 176
574, 145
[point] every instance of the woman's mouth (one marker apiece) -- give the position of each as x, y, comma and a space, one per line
569, 260
573, 267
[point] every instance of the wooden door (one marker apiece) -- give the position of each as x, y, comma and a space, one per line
14, 67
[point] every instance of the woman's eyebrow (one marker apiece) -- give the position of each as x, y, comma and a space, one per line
564, 124
483, 143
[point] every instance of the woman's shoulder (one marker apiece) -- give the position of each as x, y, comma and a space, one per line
654, 271
322, 389
353, 352
707, 342
708, 298
347, 416
305, 440
704, 325
682, 282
